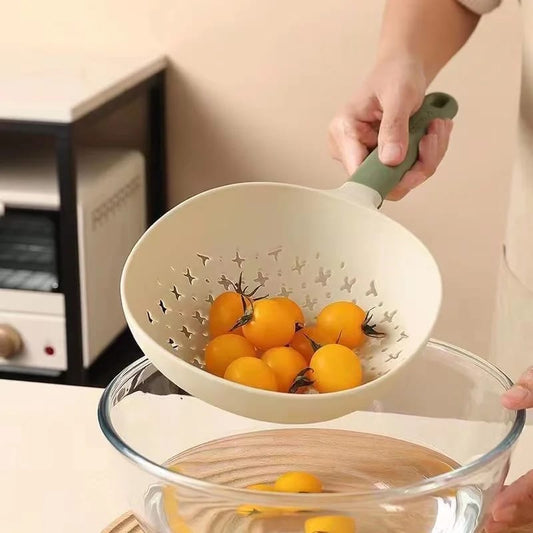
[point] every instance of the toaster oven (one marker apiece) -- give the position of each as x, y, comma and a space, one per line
111, 216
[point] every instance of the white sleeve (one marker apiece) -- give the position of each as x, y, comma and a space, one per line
480, 6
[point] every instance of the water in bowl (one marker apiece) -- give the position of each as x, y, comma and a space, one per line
345, 461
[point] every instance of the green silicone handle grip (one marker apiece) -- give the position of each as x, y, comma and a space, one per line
382, 178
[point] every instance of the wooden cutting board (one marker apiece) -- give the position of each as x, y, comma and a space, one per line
127, 524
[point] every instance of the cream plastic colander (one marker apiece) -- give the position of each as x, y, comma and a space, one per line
314, 246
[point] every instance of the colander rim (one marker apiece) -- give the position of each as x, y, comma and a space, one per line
420, 488
138, 330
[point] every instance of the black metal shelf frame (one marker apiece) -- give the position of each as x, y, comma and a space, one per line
64, 135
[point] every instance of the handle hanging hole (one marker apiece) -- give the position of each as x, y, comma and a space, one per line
440, 101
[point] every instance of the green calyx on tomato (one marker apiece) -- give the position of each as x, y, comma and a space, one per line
369, 329
301, 380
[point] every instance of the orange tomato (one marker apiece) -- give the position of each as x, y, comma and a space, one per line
270, 325
286, 363
335, 368
252, 372
224, 349
330, 524
263, 487
224, 314
293, 308
302, 344
343, 321
298, 482
175, 521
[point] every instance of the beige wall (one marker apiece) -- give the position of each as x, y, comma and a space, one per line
254, 84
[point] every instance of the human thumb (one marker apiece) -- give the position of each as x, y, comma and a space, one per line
393, 137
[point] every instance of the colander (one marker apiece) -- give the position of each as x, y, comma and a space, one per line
313, 246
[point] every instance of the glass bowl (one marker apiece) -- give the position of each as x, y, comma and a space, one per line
428, 457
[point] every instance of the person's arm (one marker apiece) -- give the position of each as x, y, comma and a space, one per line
429, 33
418, 37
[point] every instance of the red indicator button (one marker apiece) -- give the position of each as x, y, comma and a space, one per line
49, 350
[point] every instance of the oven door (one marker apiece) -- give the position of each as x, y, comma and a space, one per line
32, 321
29, 250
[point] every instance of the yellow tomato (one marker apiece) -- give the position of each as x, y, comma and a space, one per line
302, 344
343, 321
335, 368
253, 372
170, 506
224, 313
293, 308
286, 363
270, 325
250, 509
330, 524
264, 487
224, 349
298, 482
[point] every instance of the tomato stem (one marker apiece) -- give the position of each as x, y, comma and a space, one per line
301, 380
248, 313
369, 329
314, 345
243, 291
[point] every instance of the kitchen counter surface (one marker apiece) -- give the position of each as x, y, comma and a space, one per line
57, 469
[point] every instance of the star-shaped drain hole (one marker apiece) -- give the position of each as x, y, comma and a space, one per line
238, 260
189, 276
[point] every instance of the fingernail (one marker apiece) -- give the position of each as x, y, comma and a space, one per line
505, 514
391, 153
517, 394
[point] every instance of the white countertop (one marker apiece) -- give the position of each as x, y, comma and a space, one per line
50, 86
51, 450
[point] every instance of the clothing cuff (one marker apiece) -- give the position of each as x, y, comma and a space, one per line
480, 6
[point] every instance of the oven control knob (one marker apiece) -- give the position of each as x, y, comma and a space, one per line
10, 341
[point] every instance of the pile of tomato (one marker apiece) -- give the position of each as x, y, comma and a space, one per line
299, 482
264, 343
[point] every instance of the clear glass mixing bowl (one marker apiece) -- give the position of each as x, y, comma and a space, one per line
428, 457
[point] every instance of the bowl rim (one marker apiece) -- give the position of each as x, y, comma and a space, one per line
418, 489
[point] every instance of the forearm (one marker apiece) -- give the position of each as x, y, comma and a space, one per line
429, 32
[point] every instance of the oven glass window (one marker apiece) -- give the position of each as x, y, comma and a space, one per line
28, 250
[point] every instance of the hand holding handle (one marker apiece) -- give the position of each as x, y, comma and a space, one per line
382, 178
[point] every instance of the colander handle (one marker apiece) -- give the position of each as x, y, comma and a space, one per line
383, 178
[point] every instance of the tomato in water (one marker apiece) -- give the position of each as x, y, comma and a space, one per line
263, 487
330, 524
298, 482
